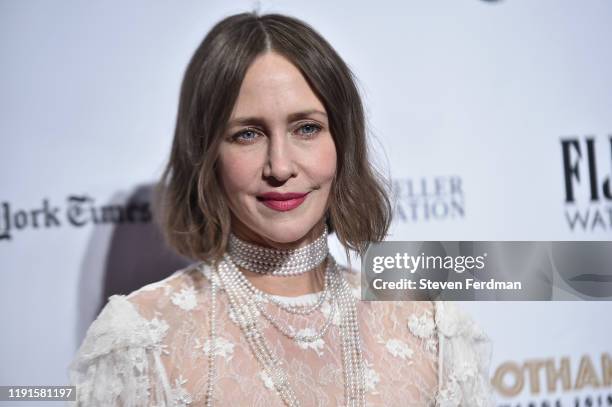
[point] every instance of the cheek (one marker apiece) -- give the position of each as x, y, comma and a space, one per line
325, 162
236, 172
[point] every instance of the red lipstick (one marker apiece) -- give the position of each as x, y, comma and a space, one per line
282, 202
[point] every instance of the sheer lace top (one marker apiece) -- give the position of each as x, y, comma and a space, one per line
150, 348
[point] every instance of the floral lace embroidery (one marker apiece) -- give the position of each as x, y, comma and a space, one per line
181, 396
422, 326
399, 349
267, 380
224, 348
317, 345
185, 299
371, 378
157, 331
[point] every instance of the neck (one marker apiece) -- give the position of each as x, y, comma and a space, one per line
246, 234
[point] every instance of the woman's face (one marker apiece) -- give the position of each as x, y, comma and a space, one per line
277, 141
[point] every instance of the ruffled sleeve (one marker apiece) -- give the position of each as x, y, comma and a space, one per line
464, 358
118, 363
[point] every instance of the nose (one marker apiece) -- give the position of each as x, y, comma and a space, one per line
280, 161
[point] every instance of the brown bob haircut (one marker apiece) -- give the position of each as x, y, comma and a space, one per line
189, 203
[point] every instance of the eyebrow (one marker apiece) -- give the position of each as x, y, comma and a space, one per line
292, 117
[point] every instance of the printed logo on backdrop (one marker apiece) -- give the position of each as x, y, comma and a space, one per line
587, 172
77, 211
426, 199
555, 381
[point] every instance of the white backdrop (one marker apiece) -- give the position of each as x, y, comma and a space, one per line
468, 103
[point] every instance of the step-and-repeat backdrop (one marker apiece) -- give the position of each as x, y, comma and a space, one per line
492, 118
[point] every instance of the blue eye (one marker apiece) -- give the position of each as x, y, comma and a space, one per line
245, 136
309, 129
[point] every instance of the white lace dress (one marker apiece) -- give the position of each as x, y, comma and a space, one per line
150, 349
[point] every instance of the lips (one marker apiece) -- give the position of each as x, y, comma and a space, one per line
282, 201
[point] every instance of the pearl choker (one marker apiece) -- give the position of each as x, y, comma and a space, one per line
278, 262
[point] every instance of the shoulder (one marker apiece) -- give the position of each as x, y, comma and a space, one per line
140, 319
119, 325
464, 357
183, 290
119, 361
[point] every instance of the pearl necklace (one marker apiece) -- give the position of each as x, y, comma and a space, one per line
247, 303
259, 298
278, 262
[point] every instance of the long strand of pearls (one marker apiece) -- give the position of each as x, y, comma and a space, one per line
212, 350
247, 319
260, 298
354, 380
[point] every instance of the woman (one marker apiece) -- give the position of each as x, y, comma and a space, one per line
269, 157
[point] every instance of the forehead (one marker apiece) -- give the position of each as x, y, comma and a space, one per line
273, 86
